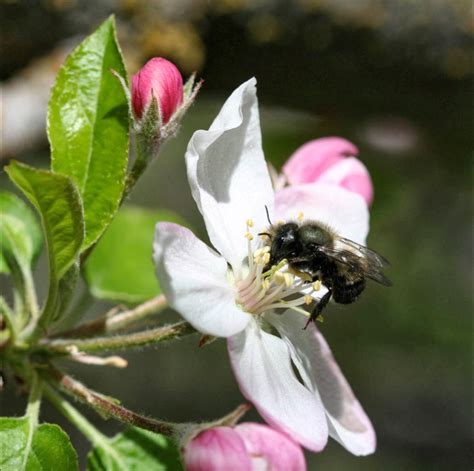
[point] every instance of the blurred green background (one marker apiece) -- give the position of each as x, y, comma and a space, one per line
395, 78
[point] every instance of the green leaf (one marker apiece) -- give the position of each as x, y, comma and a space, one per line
20, 232
49, 449
121, 266
135, 449
59, 204
88, 127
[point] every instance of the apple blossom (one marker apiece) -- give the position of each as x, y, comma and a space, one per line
225, 292
161, 79
329, 160
245, 447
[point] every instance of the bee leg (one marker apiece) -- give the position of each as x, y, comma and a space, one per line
319, 308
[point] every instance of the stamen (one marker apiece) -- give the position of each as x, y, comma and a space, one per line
300, 216
317, 285
275, 288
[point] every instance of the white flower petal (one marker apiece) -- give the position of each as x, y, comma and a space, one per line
194, 280
262, 366
228, 174
348, 423
346, 212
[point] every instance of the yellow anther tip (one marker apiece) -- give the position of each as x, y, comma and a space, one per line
289, 279
308, 299
248, 235
250, 223
300, 216
317, 285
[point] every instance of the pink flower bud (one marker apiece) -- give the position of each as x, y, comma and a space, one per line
246, 447
330, 160
161, 79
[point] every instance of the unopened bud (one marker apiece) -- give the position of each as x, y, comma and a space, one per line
161, 79
246, 447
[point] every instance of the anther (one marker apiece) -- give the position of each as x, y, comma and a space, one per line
248, 235
289, 279
317, 285
250, 223
308, 299
300, 216
279, 277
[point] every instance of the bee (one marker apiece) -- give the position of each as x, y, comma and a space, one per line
314, 251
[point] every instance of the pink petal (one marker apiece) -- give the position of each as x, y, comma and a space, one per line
271, 449
228, 175
161, 78
352, 175
262, 366
344, 211
348, 423
194, 280
217, 449
312, 159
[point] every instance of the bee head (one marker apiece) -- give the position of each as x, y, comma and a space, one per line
284, 242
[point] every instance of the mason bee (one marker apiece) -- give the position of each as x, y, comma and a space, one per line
316, 252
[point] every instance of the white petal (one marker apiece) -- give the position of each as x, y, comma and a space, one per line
194, 280
348, 423
346, 212
228, 174
262, 366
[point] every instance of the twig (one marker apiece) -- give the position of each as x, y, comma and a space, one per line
118, 342
111, 321
105, 406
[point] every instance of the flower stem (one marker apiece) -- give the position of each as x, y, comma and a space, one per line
34, 401
112, 322
75, 417
32, 413
106, 406
145, 149
118, 342
7, 315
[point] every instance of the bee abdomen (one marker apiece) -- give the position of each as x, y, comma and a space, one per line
345, 292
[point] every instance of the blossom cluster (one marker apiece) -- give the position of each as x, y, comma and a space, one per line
223, 290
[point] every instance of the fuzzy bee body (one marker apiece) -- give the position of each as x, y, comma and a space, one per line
316, 252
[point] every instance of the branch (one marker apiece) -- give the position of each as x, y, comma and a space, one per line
105, 406
119, 342
112, 321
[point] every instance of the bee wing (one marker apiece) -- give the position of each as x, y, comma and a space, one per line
361, 258
372, 256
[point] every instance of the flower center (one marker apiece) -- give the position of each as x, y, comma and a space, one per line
274, 288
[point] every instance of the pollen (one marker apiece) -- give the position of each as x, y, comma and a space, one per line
308, 299
300, 216
317, 285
